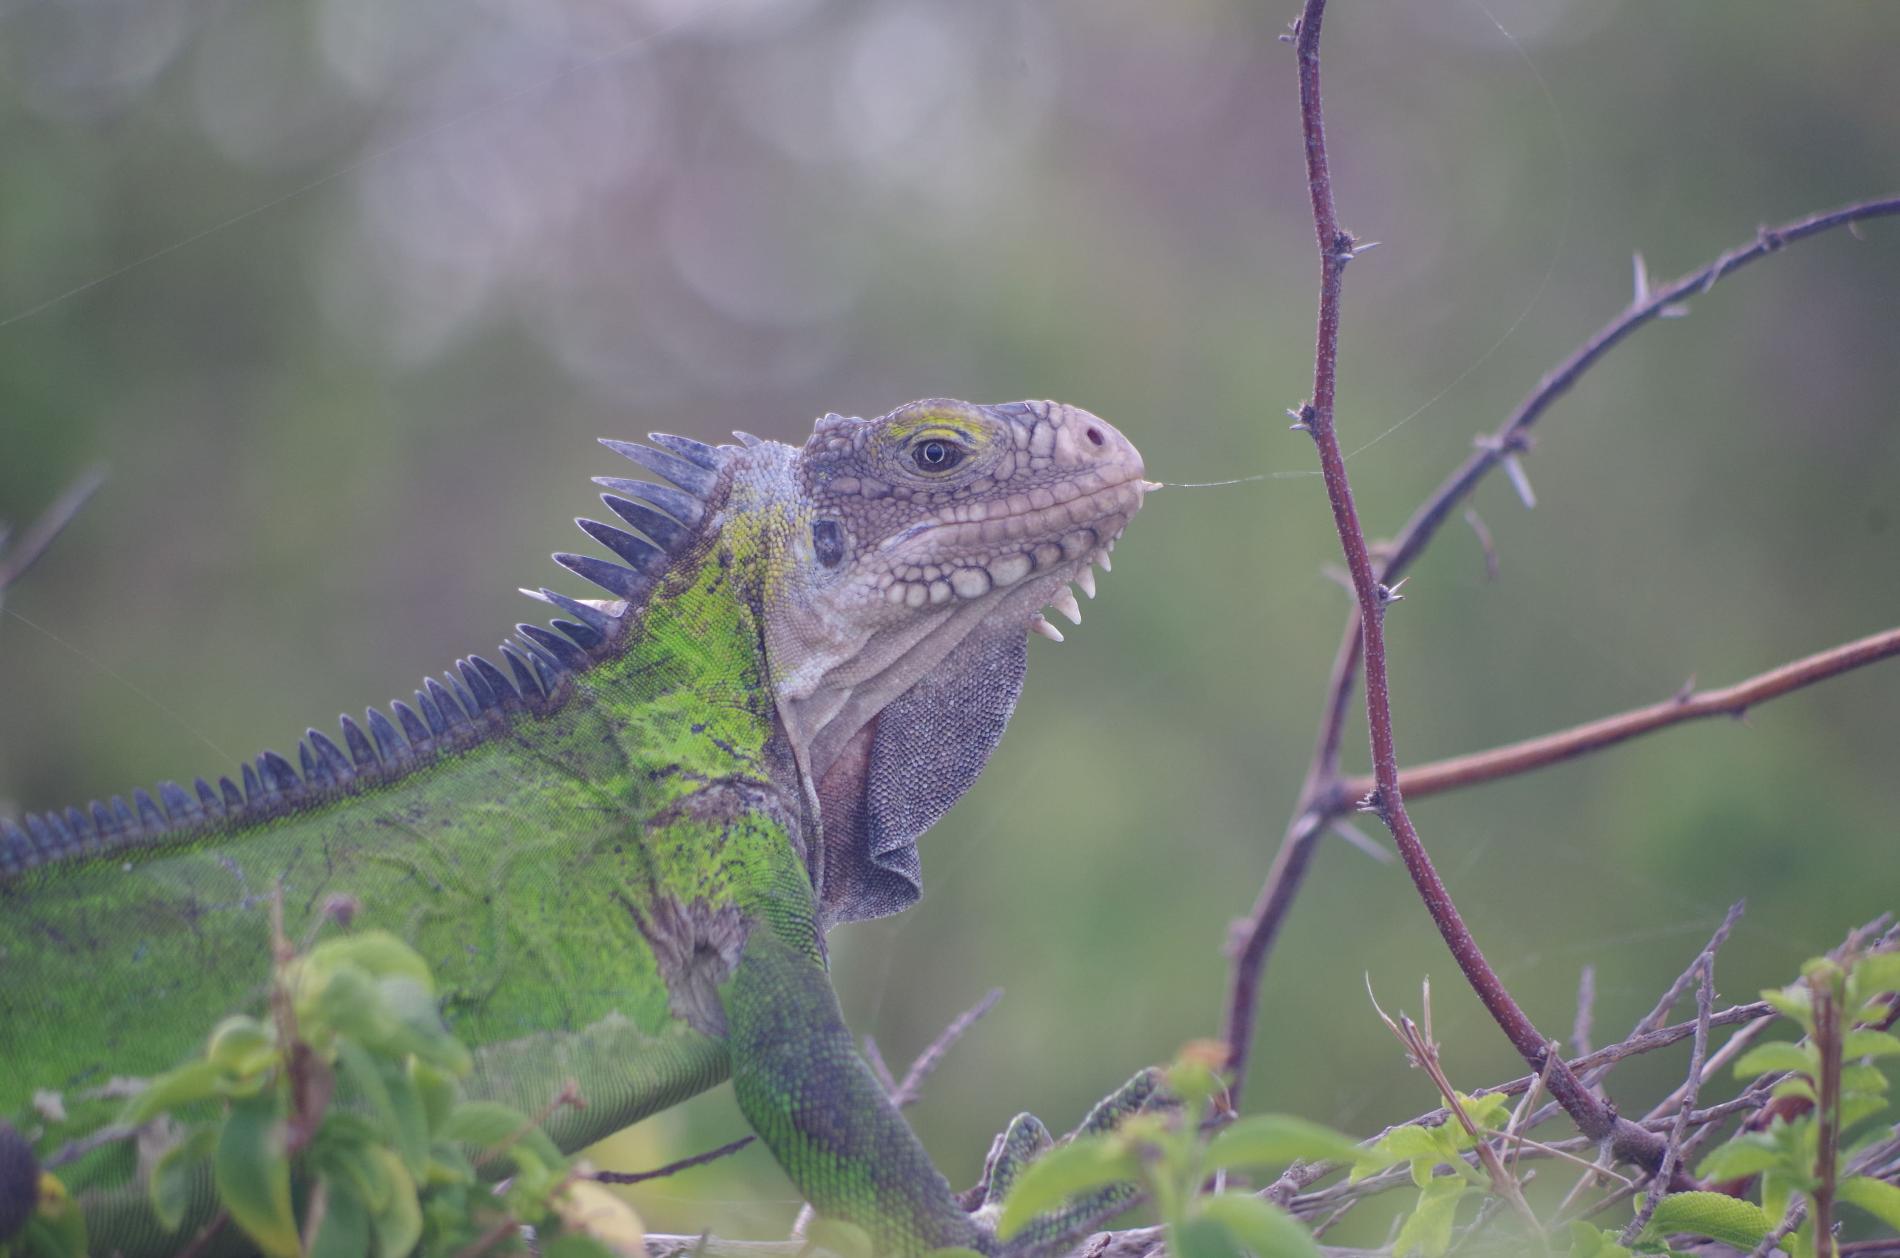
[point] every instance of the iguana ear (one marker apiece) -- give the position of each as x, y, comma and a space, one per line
904, 769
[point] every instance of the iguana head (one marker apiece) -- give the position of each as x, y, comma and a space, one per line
899, 565
926, 544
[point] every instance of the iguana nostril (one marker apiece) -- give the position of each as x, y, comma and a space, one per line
1096, 438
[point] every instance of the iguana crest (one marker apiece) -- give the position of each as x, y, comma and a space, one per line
905, 559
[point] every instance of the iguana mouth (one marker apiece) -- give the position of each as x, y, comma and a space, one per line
1047, 536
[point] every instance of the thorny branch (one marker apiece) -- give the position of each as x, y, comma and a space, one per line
1535, 753
1323, 796
1594, 1117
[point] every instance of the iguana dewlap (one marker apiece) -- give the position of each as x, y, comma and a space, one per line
621, 843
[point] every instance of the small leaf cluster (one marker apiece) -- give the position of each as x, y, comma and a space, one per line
1172, 1156
335, 1128
1427, 1227
1785, 1155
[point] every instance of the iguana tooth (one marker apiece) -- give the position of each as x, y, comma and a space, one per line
389, 744
665, 531
233, 797
563, 652
1085, 580
611, 577
180, 808
362, 755
681, 506
642, 556
1039, 624
1100, 559
597, 622
525, 681
253, 785
149, 816
691, 477
501, 692
692, 451
334, 761
1064, 602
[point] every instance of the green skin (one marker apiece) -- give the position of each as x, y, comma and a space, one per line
627, 881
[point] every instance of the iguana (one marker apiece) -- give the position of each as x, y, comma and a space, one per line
621, 847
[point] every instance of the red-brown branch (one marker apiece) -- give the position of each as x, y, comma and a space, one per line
1535, 753
1336, 247
1323, 795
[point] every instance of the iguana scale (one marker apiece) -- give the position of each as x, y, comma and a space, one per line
620, 848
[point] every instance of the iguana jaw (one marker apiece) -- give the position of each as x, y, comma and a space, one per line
922, 560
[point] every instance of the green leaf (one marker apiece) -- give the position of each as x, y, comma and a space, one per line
1745, 1155
252, 1172
1084, 1163
345, 1229
1202, 1238
847, 1240
952, 1251
1875, 974
1265, 1229
1864, 1080
1763, 1058
173, 1176
437, 1091
1793, 1002
491, 1126
1276, 1139
1868, 1043
1876, 1197
192, 1082
1712, 1214
1485, 1111
377, 953
1594, 1242
398, 1221
241, 1045
1427, 1231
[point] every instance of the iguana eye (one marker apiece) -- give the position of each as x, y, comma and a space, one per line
827, 541
937, 454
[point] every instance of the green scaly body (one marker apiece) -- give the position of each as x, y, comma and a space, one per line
615, 868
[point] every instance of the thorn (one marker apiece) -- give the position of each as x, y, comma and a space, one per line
1303, 417
1039, 625
1363, 841
1064, 602
1639, 280
1684, 692
1484, 541
1361, 246
1373, 801
1520, 481
1389, 594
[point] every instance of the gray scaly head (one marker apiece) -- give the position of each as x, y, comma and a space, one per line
926, 544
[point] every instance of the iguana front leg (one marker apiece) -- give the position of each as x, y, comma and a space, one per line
803, 1087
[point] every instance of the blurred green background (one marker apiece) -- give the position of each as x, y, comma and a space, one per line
342, 292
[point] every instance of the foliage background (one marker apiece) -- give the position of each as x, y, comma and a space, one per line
342, 292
